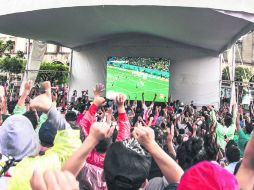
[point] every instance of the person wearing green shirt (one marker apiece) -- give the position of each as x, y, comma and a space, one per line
226, 129
21, 109
244, 134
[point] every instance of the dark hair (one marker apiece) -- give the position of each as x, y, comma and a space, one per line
228, 119
191, 152
161, 113
151, 115
211, 146
233, 154
10, 106
70, 116
181, 131
179, 139
103, 145
204, 108
222, 152
249, 128
81, 107
32, 117
230, 143
160, 136
237, 166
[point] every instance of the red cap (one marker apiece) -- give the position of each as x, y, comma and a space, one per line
208, 176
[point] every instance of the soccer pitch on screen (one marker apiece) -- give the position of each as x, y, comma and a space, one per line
133, 76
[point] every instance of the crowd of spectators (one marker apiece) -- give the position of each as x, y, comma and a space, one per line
151, 63
162, 66
120, 144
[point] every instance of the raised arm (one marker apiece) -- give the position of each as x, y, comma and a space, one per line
123, 121
140, 119
238, 127
22, 99
234, 110
44, 104
194, 127
89, 116
109, 114
129, 101
154, 98
213, 116
170, 137
157, 111
98, 132
170, 169
20, 107
143, 100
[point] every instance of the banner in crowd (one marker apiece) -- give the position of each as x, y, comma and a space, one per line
34, 62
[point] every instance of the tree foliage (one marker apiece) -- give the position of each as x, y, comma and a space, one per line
20, 54
6, 47
56, 73
13, 65
241, 73
158, 63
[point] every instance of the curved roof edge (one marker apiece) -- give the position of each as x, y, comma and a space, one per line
15, 6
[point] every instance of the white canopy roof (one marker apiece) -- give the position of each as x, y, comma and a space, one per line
77, 23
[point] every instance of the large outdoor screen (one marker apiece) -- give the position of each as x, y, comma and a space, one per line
133, 76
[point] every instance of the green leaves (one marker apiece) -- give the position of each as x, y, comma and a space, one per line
56, 73
12, 65
6, 47
241, 73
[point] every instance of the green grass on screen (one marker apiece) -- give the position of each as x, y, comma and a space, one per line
133, 84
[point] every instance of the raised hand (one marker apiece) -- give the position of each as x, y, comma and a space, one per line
109, 114
47, 87
240, 110
109, 111
98, 90
42, 103
100, 131
145, 136
27, 89
210, 107
120, 99
171, 132
52, 180
99, 101
28, 86
195, 127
